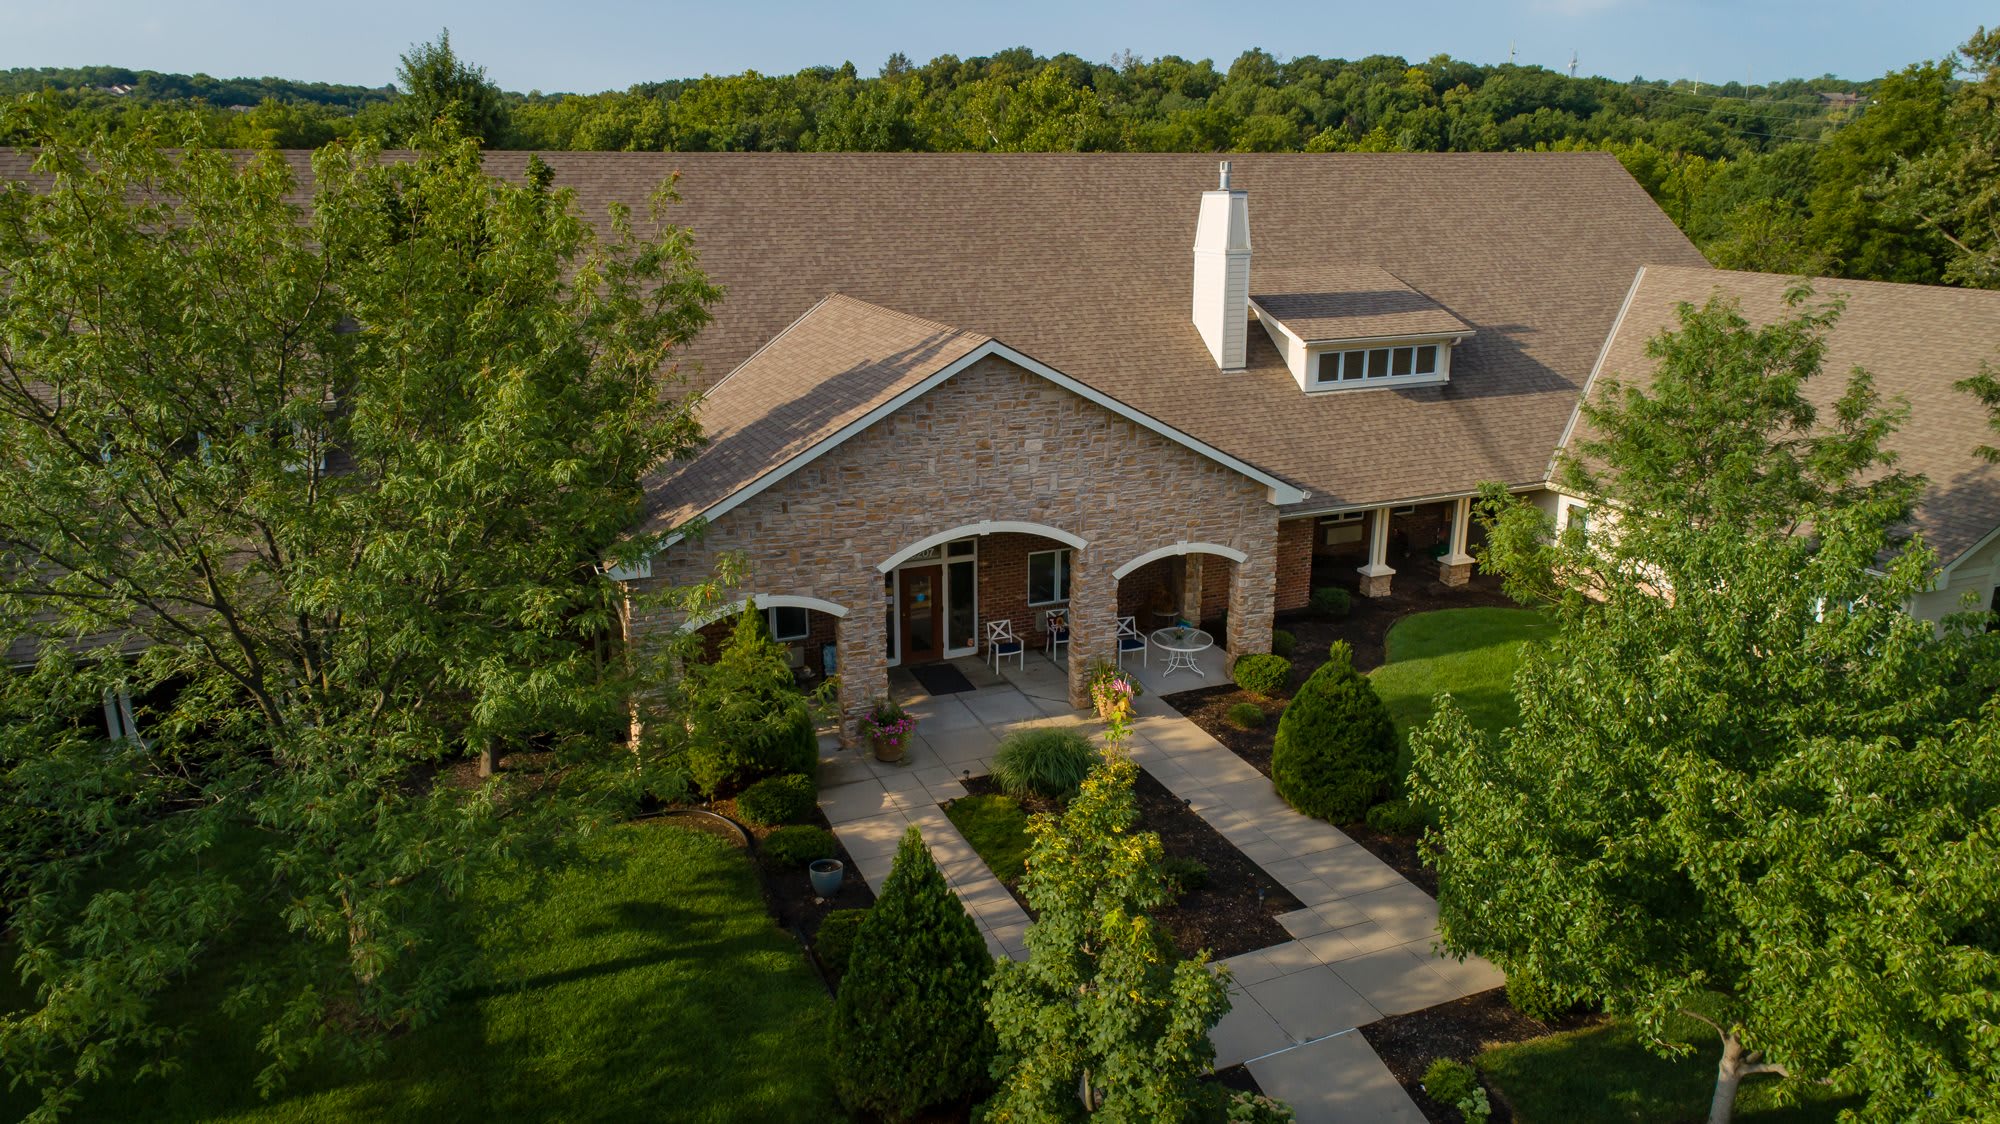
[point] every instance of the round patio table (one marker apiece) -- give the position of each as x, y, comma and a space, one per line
1180, 644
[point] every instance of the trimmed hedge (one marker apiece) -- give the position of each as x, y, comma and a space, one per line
1262, 673
1332, 601
777, 800
1245, 716
1043, 761
1396, 817
1336, 746
910, 1024
799, 845
1283, 643
835, 940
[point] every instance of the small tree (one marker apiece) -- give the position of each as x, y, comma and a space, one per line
439, 88
1745, 785
910, 1024
1335, 751
745, 718
1104, 1017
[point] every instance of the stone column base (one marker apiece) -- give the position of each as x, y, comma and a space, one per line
1454, 573
1375, 585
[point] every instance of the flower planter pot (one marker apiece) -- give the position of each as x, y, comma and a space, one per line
887, 750
827, 875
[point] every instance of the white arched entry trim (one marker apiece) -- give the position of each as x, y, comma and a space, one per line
1179, 548
983, 527
764, 601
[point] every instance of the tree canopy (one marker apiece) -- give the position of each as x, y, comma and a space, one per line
325, 491
1746, 785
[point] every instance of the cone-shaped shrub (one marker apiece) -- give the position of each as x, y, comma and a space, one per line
1336, 746
911, 1019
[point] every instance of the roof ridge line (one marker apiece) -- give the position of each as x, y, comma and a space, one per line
769, 344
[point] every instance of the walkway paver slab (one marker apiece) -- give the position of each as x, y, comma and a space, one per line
1336, 1081
1314, 1004
1402, 910
1245, 1032
858, 801
1395, 980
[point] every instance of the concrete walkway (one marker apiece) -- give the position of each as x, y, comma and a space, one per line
1361, 947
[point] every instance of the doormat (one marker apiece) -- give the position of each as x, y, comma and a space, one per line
940, 679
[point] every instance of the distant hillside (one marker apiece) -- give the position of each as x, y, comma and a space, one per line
153, 86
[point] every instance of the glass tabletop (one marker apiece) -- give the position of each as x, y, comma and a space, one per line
1178, 639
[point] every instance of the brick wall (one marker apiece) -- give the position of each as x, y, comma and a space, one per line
994, 443
1003, 585
1295, 563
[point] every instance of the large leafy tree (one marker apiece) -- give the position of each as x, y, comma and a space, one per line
441, 88
1746, 787
1953, 189
326, 485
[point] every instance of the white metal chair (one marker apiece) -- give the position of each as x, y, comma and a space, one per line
1130, 640
1001, 643
1055, 625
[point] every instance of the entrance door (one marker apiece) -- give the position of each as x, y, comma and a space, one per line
922, 614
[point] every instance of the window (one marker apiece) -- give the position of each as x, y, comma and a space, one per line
1376, 364
789, 623
1048, 577
1579, 520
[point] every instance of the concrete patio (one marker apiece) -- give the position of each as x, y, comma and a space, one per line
1361, 948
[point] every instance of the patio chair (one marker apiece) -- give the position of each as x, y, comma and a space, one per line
1130, 640
1055, 624
1001, 643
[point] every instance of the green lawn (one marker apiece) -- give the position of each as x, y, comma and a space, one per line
997, 828
1603, 1074
652, 987
1468, 652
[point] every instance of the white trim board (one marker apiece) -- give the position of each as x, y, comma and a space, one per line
764, 601
1177, 549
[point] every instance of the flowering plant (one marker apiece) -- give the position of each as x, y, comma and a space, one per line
1112, 695
886, 722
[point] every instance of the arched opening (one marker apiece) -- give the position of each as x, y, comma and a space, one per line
806, 627
941, 593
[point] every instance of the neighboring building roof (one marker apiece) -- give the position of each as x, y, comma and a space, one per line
1329, 303
1915, 340
838, 369
830, 369
1085, 262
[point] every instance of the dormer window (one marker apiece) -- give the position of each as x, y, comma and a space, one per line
1356, 328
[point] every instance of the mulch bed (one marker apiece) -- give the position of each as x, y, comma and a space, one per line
1460, 1029
1226, 917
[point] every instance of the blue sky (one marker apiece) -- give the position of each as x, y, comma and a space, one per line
590, 46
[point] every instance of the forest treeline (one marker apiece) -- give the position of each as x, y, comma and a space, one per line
1886, 179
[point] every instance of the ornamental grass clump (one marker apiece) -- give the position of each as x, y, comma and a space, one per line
1043, 762
910, 1023
1336, 745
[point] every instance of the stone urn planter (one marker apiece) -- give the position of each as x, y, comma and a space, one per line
827, 875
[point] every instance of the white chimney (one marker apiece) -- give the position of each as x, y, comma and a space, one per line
1222, 273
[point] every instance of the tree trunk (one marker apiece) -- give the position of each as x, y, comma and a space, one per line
1728, 1076
489, 758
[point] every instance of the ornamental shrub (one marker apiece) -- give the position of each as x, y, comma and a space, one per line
1184, 875
799, 844
910, 1022
776, 800
1396, 817
1283, 643
1262, 674
1245, 716
1528, 994
1454, 1083
1255, 1108
835, 940
1043, 761
1336, 747
746, 718
1332, 601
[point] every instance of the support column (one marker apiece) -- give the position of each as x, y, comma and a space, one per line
862, 661
1191, 577
1376, 574
1455, 568
1093, 620
1253, 601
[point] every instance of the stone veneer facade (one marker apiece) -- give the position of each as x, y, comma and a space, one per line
994, 443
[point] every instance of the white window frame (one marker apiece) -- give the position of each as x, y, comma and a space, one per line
771, 621
1441, 373
1062, 572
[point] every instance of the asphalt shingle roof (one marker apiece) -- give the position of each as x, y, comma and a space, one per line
1915, 340
1351, 303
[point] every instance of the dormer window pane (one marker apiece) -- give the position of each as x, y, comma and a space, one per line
1427, 359
1378, 363
1402, 366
